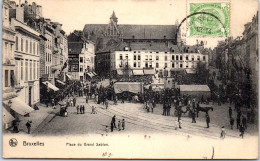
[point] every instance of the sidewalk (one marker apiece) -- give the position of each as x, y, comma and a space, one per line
38, 117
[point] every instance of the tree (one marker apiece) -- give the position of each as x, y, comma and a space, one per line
202, 73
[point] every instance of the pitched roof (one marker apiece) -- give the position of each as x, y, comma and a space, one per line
138, 31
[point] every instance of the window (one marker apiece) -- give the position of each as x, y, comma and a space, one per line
21, 69
134, 51
192, 58
37, 49
165, 58
157, 57
30, 70
180, 57
16, 41
150, 65
172, 65
150, 57
26, 70
157, 65
81, 68
6, 78
46, 54
177, 57
30, 47
81, 59
187, 57
37, 72
187, 66
134, 64
180, 65
34, 71
165, 65
146, 57
121, 57
198, 58
50, 57
12, 78
26, 46
204, 58
173, 57
126, 57
139, 57
21, 44
146, 64
134, 57
34, 48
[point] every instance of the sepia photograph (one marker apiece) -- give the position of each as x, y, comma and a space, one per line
130, 79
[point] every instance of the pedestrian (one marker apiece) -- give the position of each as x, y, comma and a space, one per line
86, 99
93, 110
242, 131
232, 122
164, 109
80, 109
238, 122
114, 121
123, 124
28, 125
244, 121
83, 109
230, 112
207, 120
176, 123
223, 132
77, 109
115, 100
193, 115
106, 103
71, 102
106, 129
119, 126
180, 123
168, 109
15, 126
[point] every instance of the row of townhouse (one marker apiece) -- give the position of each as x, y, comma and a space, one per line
28, 55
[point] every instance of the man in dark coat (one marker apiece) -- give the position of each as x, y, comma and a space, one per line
207, 120
114, 121
164, 109
230, 112
238, 122
193, 115
28, 125
232, 122
244, 122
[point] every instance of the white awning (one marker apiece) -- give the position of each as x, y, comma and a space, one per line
138, 72
120, 72
7, 117
190, 71
69, 76
20, 107
94, 73
51, 86
60, 82
90, 74
149, 71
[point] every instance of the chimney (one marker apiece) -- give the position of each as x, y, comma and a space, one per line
20, 13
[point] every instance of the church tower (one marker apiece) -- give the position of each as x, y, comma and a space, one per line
112, 27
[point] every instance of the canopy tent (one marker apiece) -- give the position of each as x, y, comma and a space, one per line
51, 86
7, 117
138, 72
149, 71
133, 87
195, 90
20, 107
60, 82
94, 73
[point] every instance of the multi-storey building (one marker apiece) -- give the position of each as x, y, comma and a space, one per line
27, 57
142, 61
8, 65
81, 56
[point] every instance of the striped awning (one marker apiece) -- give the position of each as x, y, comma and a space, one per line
51, 86
149, 71
69, 76
7, 117
60, 82
20, 107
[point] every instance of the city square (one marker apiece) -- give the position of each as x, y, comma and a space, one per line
190, 79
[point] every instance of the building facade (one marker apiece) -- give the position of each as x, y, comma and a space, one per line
81, 56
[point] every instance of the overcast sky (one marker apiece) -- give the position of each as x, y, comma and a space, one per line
74, 14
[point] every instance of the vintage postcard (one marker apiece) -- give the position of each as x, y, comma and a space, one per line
130, 79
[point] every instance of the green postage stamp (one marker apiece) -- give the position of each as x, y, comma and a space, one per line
209, 19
